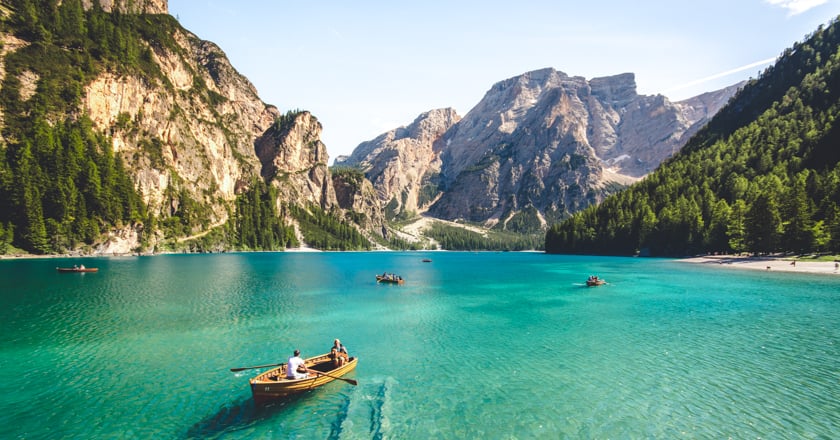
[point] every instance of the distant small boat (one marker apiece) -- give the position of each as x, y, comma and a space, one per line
427, 260
390, 278
77, 269
595, 281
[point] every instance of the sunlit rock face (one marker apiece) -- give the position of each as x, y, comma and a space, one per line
542, 141
404, 161
132, 6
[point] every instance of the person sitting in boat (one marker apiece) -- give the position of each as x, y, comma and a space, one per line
338, 353
82, 267
296, 367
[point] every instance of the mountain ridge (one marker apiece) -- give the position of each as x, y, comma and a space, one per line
542, 140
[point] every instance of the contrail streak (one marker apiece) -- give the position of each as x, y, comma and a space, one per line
722, 74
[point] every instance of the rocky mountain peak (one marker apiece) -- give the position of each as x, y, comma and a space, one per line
617, 90
542, 142
294, 158
291, 144
429, 126
401, 162
502, 111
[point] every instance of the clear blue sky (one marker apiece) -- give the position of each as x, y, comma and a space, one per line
366, 67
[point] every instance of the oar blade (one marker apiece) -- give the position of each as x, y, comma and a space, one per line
350, 381
234, 370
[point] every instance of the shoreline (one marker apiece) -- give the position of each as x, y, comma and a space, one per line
778, 264
135, 254
765, 263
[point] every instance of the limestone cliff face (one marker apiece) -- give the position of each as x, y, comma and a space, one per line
203, 131
132, 6
295, 160
403, 162
651, 129
356, 194
182, 136
545, 142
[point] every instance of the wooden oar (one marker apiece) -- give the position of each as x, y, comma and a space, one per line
258, 366
350, 381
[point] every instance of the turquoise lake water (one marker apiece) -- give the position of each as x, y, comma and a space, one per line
473, 345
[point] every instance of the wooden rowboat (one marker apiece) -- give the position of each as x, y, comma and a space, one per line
77, 269
273, 384
394, 279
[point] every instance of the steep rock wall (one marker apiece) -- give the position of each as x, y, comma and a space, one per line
295, 160
177, 136
542, 140
404, 163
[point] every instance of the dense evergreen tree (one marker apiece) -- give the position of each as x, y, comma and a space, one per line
798, 224
459, 239
763, 224
257, 223
736, 228
327, 231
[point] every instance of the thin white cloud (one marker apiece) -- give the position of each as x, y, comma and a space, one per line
721, 74
795, 7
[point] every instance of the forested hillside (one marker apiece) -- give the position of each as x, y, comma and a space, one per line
60, 183
762, 176
125, 127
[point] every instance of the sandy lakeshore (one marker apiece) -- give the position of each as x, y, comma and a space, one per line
768, 263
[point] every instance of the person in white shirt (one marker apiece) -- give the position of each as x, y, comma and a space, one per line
296, 367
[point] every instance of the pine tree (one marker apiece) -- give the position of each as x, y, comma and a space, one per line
33, 232
763, 225
798, 227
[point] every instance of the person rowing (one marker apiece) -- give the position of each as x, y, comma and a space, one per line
296, 367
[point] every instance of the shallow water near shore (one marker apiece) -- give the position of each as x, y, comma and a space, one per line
473, 345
